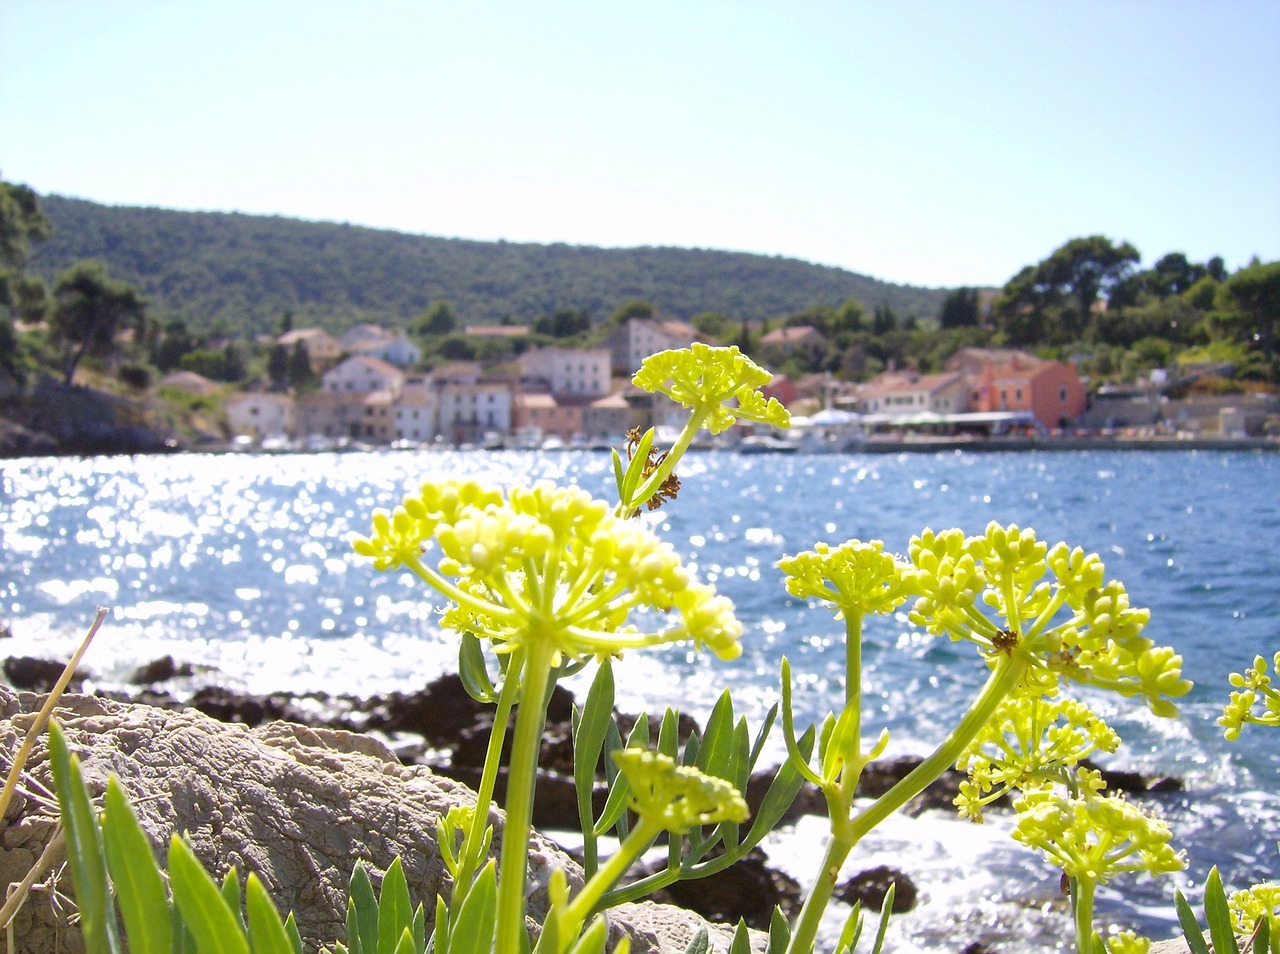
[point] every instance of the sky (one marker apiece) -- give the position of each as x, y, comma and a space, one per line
925, 143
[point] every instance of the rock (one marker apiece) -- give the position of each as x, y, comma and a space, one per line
37, 675
748, 890
160, 670
977, 947
808, 801
297, 806
871, 886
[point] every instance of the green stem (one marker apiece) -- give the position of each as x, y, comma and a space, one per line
1083, 911
805, 934
521, 779
488, 779
654, 481
846, 832
611, 872
853, 671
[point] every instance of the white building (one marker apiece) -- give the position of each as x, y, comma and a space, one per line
641, 337
361, 374
414, 413
466, 412
568, 372
263, 416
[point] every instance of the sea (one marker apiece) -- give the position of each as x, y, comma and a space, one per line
241, 565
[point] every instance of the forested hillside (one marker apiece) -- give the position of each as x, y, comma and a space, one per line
240, 273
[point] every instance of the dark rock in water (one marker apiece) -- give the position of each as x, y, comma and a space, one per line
19, 441
5, 631
160, 670
37, 675
748, 890
977, 947
1135, 782
227, 705
556, 805
871, 886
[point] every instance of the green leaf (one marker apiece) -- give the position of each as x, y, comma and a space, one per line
779, 932
472, 670
851, 933
405, 944
593, 939
183, 942
85, 853
213, 924
419, 928
1190, 926
782, 791
717, 738
440, 933
362, 912
267, 933
669, 734
700, 943
473, 931
588, 740
886, 910
144, 903
618, 479
765, 728
842, 747
741, 943
799, 759
231, 894
295, 936
1218, 915
394, 911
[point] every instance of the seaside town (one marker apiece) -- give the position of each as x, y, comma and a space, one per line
557, 397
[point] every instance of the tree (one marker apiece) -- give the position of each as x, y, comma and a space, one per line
89, 311
438, 320
301, 374
21, 223
173, 344
278, 367
286, 322
632, 309
1080, 271
1247, 307
565, 323
959, 309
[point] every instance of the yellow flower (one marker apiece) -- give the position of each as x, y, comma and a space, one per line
677, 797
550, 564
709, 381
854, 577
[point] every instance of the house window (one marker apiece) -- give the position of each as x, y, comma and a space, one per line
1062, 395
1017, 395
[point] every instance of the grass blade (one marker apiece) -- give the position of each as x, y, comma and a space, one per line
267, 933
85, 854
394, 911
144, 903
214, 926
1190, 926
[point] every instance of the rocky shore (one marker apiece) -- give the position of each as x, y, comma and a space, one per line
442, 730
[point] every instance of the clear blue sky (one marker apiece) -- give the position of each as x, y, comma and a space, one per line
930, 142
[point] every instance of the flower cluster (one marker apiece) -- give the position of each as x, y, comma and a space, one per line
707, 380
1028, 745
1010, 593
854, 577
1250, 907
550, 564
1251, 686
677, 797
1093, 837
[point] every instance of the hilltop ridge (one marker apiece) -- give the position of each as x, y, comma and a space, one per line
240, 273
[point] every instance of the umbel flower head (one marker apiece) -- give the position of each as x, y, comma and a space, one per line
854, 577
548, 565
1028, 744
677, 797
1011, 594
1251, 686
708, 381
1094, 837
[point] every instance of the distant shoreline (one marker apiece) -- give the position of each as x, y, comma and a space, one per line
911, 445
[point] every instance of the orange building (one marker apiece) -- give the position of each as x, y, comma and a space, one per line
1000, 380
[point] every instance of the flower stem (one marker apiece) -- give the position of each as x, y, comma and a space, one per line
521, 779
846, 832
488, 778
1083, 910
611, 872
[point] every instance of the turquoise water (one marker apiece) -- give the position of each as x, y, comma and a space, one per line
240, 563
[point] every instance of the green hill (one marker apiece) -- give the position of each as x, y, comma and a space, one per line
242, 272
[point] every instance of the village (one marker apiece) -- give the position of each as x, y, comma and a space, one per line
556, 397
